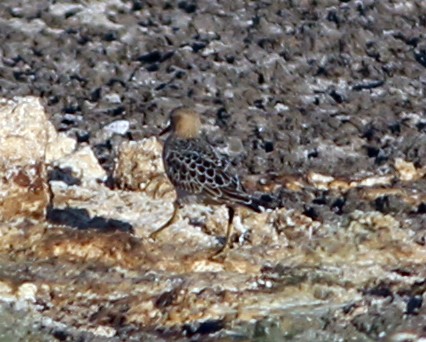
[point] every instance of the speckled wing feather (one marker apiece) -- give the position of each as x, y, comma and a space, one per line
194, 166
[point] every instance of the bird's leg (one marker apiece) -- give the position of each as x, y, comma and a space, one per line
170, 221
231, 213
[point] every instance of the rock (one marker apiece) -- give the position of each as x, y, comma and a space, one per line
406, 170
318, 180
6, 292
61, 145
27, 292
139, 167
24, 192
117, 127
25, 134
83, 165
30, 146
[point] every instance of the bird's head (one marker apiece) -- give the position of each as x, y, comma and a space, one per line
185, 123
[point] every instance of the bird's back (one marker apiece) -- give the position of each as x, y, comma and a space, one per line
195, 168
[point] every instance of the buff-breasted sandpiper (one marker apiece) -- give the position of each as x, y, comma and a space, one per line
199, 173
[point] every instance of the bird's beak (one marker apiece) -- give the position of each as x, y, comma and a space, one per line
166, 130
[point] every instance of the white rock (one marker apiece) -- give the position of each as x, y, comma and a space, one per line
24, 131
113, 98
117, 127
84, 165
60, 9
27, 292
407, 171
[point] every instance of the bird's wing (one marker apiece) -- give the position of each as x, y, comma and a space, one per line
197, 168
217, 178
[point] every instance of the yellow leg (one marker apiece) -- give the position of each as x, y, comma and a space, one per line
170, 221
224, 247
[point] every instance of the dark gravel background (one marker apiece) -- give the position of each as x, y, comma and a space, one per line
331, 86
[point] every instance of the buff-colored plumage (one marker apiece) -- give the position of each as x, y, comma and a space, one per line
198, 171
185, 123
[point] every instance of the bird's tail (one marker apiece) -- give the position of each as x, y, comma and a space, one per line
257, 202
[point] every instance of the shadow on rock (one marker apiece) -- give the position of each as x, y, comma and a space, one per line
80, 219
63, 175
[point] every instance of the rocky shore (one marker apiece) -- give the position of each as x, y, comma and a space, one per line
320, 103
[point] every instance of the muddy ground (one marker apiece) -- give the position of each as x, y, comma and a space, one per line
287, 88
